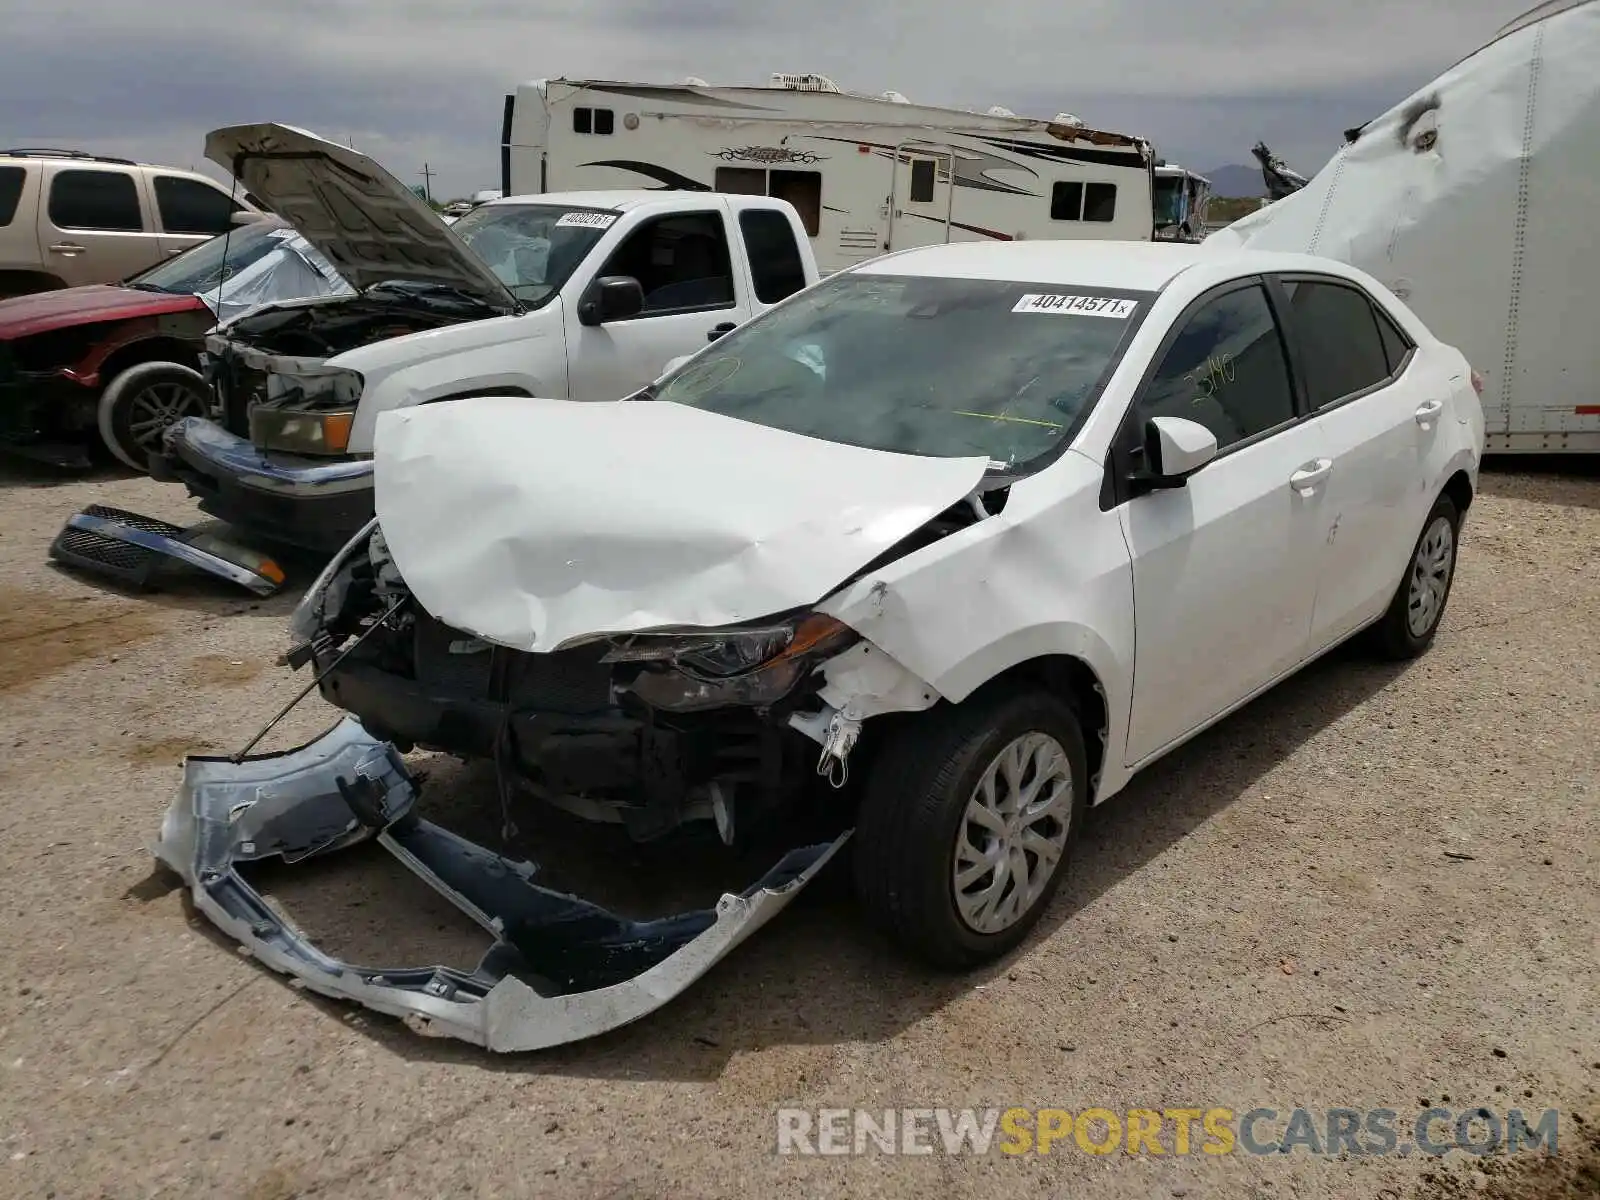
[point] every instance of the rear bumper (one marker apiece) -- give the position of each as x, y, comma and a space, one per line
318, 505
561, 968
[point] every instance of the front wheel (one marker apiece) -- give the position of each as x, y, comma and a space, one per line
141, 403
1409, 625
964, 832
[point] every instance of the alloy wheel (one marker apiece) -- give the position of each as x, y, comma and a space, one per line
1013, 833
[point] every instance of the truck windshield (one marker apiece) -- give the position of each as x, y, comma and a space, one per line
1169, 199
208, 264
533, 248
938, 367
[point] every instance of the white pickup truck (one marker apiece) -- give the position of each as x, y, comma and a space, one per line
580, 296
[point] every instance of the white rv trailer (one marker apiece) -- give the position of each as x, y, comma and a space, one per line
867, 173
1181, 199
1474, 199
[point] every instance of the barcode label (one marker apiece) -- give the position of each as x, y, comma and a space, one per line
587, 220
1086, 306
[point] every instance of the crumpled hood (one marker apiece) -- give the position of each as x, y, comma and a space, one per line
24, 316
369, 225
532, 523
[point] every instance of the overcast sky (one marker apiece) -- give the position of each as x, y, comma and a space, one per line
413, 82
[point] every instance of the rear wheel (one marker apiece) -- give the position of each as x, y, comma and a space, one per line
964, 832
1408, 627
141, 403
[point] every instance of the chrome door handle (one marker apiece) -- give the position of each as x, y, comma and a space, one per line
67, 248
1306, 479
1428, 412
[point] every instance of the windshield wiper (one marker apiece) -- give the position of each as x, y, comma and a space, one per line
148, 287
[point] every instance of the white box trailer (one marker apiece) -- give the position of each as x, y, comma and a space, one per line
1475, 201
868, 174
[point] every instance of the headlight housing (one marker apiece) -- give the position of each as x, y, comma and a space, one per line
309, 412
752, 667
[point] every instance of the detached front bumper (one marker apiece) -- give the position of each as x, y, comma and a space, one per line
561, 969
316, 504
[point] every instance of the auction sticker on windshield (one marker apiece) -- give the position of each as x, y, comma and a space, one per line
588, 220
1088, 306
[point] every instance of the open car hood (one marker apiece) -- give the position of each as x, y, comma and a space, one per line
535, 523
368, 224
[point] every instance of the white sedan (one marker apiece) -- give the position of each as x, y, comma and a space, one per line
940, 550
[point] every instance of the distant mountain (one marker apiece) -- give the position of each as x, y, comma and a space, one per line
1236, 180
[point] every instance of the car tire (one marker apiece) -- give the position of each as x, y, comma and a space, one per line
1408, 627
916, 825
140, 403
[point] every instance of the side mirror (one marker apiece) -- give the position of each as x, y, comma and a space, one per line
1174, 449
673, 364
611, 298
246, 217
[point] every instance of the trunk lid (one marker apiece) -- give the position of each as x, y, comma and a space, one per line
536, 523
368, 224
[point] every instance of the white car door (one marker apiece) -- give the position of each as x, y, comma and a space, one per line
685, 269
1224, 567
1379, 409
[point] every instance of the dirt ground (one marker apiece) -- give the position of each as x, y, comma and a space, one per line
1374, 888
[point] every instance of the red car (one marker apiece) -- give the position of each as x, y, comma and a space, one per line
119, 363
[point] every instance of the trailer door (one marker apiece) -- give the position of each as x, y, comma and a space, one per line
921, 194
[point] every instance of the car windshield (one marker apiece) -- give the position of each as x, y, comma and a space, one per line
943, 368
208, 264
1168, 199
533, 248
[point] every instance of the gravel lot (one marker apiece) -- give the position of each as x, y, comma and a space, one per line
1375, 887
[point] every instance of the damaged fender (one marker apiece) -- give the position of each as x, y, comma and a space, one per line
561, 968
1023, 584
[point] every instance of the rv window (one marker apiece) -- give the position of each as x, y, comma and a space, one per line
803, 189
681, 262
1066, 202
1340, 340
923, 173
740, 181
583, 120
775, 262
1099, 201
605, 120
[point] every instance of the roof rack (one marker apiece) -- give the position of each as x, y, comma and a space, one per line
51, 152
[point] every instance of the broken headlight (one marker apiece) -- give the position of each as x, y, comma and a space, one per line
750, 667
309, 412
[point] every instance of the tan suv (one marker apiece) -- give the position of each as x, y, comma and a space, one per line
70, 218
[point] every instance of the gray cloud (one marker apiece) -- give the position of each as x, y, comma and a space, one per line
412, 82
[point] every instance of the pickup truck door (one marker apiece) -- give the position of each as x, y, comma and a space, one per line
685, 265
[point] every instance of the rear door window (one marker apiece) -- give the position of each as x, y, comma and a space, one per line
775, 262
11, 181
1339, 339
95, 199
189, 206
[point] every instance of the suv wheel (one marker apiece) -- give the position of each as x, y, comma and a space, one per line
139, 405
965, 829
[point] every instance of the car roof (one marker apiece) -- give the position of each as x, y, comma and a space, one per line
1132, 266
